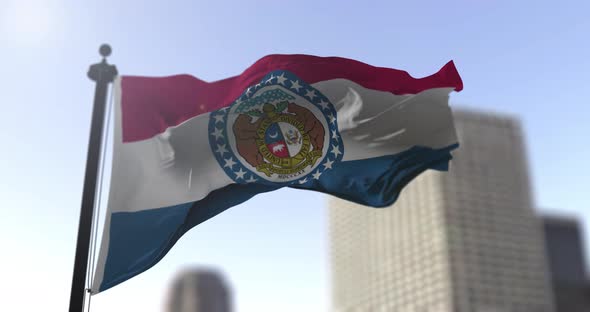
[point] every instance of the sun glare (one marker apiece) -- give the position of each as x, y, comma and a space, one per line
30, 22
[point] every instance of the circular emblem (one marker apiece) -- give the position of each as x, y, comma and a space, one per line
279, 131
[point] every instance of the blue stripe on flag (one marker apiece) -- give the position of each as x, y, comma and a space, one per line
138, 240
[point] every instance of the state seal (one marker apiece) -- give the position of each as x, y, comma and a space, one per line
279, 131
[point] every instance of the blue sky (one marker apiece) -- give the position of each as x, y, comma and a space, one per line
526, 58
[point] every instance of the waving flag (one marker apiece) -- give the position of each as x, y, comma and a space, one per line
186, 150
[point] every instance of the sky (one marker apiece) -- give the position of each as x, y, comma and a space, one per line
525, 58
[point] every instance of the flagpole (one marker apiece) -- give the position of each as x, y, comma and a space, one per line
103, 74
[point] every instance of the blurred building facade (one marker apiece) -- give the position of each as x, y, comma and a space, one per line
467, 240
564, 245
199, 290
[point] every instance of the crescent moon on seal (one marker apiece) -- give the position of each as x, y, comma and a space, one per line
273, 136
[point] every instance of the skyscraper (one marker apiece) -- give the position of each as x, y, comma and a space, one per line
466, 240
199, 290
567, 265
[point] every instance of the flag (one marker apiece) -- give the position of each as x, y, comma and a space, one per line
186, 150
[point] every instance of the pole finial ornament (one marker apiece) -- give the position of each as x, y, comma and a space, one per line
105, 50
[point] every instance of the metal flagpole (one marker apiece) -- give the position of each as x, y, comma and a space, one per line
103, 74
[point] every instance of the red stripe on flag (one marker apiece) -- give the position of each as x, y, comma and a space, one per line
152, 104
